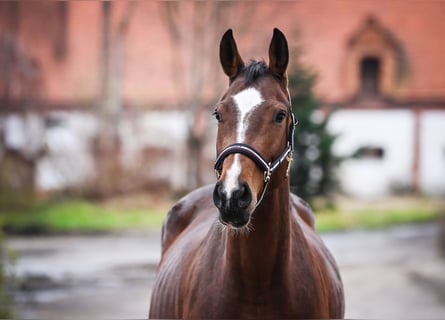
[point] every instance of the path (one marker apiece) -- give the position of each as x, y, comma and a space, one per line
394, 273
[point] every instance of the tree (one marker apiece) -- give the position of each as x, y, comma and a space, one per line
20, 85
193, 27
107, 142
313, 167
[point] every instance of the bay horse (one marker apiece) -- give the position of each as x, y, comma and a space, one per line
246, 247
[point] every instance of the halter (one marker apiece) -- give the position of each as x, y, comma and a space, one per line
267, 167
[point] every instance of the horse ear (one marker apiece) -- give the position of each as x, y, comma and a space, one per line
229, 56
278, 54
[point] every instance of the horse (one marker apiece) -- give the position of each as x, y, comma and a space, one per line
246, 247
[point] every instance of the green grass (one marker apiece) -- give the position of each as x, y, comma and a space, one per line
84, 216
81, 216
372, 218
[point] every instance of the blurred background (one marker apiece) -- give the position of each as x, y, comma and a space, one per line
105, 121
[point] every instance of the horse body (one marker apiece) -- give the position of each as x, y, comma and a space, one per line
262, 259
273, 275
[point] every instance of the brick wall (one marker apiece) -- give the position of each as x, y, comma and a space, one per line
151, 69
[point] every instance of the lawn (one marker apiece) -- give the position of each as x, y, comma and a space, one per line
80, 216
372, 218
84, 216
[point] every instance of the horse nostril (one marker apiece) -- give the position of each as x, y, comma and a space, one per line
218, 195
244, 195
240, 198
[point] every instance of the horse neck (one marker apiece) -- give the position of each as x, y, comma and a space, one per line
263, 253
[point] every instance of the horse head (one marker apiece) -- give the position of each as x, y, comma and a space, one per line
255, 130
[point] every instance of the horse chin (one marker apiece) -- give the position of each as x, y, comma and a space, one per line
236, 225
236, 230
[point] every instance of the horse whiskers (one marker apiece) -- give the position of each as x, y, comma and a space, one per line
220, 226
243, 231
225, 228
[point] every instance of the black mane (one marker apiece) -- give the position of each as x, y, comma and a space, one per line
254, 70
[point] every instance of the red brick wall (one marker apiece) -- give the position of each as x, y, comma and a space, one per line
322, 29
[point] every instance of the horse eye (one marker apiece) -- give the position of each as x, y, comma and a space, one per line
280, 116
217, 115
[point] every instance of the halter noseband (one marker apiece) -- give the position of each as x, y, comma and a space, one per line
255, 156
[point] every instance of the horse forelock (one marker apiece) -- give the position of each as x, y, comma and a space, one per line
255, 69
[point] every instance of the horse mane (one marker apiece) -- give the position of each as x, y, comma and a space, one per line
255, 69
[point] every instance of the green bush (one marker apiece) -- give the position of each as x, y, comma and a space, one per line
312, 172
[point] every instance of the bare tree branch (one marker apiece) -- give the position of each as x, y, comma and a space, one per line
122, 27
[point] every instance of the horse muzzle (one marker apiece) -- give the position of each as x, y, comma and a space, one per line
234, 207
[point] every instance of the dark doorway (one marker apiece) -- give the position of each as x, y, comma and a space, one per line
370, 76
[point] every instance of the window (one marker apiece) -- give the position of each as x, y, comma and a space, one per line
369, 152
376, 62
370, 76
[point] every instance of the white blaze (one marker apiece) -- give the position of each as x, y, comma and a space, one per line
245, 102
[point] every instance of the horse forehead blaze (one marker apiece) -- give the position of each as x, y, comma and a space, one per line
246, 101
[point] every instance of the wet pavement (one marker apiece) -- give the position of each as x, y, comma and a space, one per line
392, 273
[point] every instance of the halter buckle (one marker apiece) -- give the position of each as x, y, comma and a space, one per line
289, 159
267, 174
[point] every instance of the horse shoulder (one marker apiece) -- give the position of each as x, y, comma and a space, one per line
184, 212
323, 264
303, 210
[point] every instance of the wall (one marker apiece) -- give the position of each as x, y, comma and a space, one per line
391, 130
432, 152
153, 148
320, 29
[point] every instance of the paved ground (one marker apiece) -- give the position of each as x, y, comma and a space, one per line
394, 273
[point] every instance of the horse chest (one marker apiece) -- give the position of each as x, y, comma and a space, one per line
223, 293
231, 302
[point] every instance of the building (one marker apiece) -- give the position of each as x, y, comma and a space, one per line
379, 63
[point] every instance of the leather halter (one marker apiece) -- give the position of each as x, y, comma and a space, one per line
255, 156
